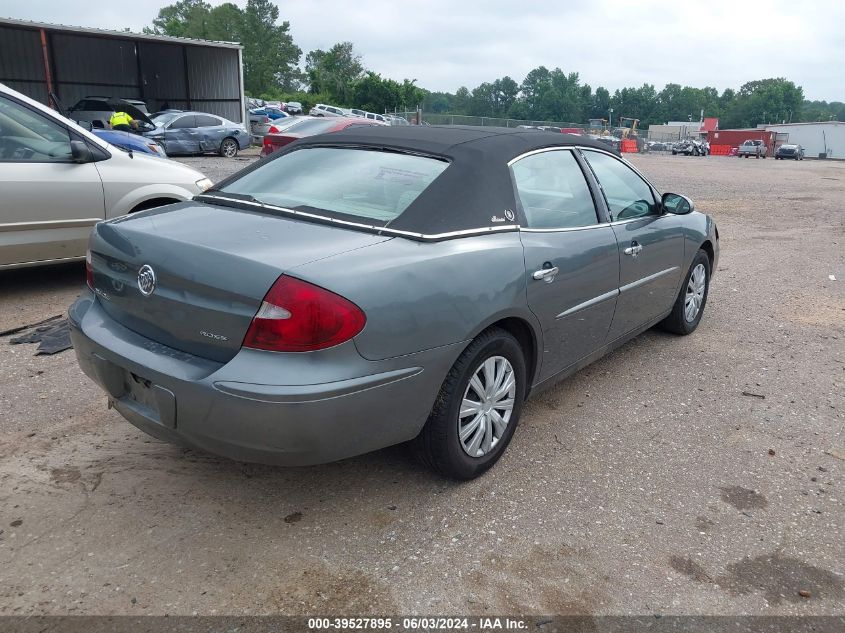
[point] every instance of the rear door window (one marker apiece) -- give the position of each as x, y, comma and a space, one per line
205, 120
358, 184
553, 191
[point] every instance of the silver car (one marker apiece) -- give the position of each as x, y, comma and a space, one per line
57, 180
184, 133
384, 285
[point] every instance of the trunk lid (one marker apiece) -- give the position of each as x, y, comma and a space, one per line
211, 267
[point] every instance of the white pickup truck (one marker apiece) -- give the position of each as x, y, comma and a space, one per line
757, 149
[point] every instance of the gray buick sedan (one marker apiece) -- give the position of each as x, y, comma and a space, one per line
384, 285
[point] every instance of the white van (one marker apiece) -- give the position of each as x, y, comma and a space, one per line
57, 180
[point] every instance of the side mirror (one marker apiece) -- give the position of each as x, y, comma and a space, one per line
677, 204
85, 125
80, 152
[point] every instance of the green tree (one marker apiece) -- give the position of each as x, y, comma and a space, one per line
226, 23
334, 71
186, 18
270, 56
461, 100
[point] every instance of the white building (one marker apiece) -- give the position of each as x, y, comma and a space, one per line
823, 137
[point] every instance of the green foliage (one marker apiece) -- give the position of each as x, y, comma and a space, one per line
334, 71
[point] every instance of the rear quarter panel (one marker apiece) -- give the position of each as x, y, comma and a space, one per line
422, 295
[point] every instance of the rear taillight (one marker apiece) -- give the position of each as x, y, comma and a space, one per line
297, 316
89, 270
273, 130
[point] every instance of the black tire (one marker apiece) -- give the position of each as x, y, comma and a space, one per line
677, 322
229, 147
438, 445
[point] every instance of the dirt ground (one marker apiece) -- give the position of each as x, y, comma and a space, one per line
695, 475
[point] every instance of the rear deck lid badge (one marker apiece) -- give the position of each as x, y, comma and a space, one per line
146, 280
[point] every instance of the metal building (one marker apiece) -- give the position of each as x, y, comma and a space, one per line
820, 139
74, 62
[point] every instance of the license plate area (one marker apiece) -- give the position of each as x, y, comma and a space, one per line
139, 390
145, 398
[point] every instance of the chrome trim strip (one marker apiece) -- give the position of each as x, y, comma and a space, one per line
542, 150
522, 229
49, 224
555, 148
642, 217
645, 280
360, 225
589, 303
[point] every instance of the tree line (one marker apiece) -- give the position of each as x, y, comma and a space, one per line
273, 70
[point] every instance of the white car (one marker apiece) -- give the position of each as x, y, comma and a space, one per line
57, 180
326, 110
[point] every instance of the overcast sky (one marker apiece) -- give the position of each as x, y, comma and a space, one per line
445, 44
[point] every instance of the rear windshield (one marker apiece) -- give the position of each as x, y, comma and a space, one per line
347, 183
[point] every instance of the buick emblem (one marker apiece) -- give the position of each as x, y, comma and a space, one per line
146, 280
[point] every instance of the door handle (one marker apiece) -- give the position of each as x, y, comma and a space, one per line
633, 250
546, 273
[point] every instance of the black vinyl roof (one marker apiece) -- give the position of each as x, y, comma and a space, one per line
446, 139
475, 193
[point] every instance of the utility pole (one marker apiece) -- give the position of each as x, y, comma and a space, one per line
610, 119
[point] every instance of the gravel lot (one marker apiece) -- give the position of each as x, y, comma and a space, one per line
678, 475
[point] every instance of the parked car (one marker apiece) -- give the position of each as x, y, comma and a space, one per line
130, 142
372, 116
198, 133
252, 103
293, 107
755, 148
308, 126
794, 152
98, 111
382, 285
691, 147
392, 119
326, 110
57, 180
259, 124
271, 113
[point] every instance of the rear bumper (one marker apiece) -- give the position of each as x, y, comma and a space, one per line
221, 409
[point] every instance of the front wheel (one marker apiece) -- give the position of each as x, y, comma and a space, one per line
689, 305
477, 409
229, 148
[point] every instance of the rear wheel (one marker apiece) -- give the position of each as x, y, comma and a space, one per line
229, 147
477, 409
689, 305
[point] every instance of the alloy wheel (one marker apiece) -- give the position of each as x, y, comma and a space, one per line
487, 406
695, 293
230, 148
